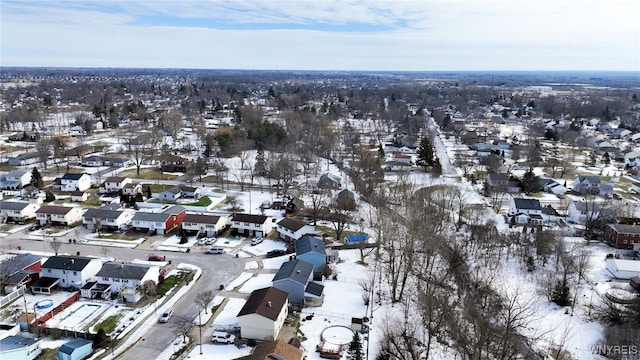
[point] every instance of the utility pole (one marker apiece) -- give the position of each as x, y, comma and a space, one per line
200, 328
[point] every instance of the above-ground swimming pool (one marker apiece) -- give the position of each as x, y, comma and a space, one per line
43, 304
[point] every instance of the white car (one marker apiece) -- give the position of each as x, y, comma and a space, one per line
165, 316
256, 241
219, 337
215, 250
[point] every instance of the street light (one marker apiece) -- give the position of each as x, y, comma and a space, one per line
200, 329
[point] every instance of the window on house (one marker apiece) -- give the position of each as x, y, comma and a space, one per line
75, 273
624, 242
49, 271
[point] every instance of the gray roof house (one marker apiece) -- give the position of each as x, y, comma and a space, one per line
525, 211
293, 277
18, 347
126, 279
76, 349
311, 249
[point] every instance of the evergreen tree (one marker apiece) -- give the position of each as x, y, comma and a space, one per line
606, 159
355, 348
36, 178
425, 153
530, 182
260, 167
49, 197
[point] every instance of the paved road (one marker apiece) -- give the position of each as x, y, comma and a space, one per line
216, 270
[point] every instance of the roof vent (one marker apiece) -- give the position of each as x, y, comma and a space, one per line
268, 303
298, 271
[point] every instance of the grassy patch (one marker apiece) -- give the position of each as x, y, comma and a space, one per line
109, 324
48, 354
117, 237
149, 173
203, 201
6, 227
7, 167
92, 201
157, 188
169, 283
75, 170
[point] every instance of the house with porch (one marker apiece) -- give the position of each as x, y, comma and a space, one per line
291, 230
126, 279
525, 211
63, 215
159, 222
263, 314
251, 225
69, 271
15, 180
114, 184
204, 224
586, 184
17, 211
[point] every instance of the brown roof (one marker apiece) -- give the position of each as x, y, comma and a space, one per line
267, 302
115, 179
291, 224
201, 219
53, 209
250, 218
282, 350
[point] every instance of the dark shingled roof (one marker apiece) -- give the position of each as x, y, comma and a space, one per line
291, 224
101, 213
314, 288
13, 205
267, 302
53, 209
16, 342
117, 179
250, 218
63, 262
70, 176
69, 347
201, 219
123, 271
530, 204
17, 263
272, 350
296, 270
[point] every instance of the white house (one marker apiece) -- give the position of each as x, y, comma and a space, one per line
75, 182
586, 184
579, 212
632, 158
525, 211
291, 230
127, 279
65, 215
264, 313
251, 225
15, 179
204, 224
14, 347
17, 211
107, 218
71, 271
114, 184
623, 269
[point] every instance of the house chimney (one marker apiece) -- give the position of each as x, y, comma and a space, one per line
268, 303
298, 271
73, 261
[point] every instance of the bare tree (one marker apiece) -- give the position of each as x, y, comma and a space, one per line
182, 327
55, 245
104, 250
203, 299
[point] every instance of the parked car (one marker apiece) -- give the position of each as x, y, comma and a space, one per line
208, 241
215, 250
276, 253
256, 241
157, 257
291, 249
165, 316
219, 337
202, 241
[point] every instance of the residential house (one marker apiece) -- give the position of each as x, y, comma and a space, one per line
29, 191
159, 222
264, 313
579, 212
525, 211
204, 224
24, 160
251, 225
291, 230
14, 347
76, 349
171, 194
132, 189
107, 218
502, 183
79, 196
69, 271
293, 206
552, 186
19, 270
622, 236
271, 350
173, 163
14, 180
632, 158
394, 165
17, 211
295, 277
189, 192
75, 182
586, 184
345, 200
65, 215
113, 184
311, 249
623, 269
127, 279
329, 181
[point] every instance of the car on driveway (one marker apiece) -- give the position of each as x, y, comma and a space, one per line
256, 241
276, 253
219, 337
166, 315
155, 257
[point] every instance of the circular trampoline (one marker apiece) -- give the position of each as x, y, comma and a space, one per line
43, 304
337, 334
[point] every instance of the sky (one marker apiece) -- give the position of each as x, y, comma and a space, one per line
367, 35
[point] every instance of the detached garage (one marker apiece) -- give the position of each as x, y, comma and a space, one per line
623, 269
77, 349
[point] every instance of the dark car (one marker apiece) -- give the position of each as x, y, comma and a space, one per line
156, 258
276, 253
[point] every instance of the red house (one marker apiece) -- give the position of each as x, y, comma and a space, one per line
20, 270
622, 236
159, 222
